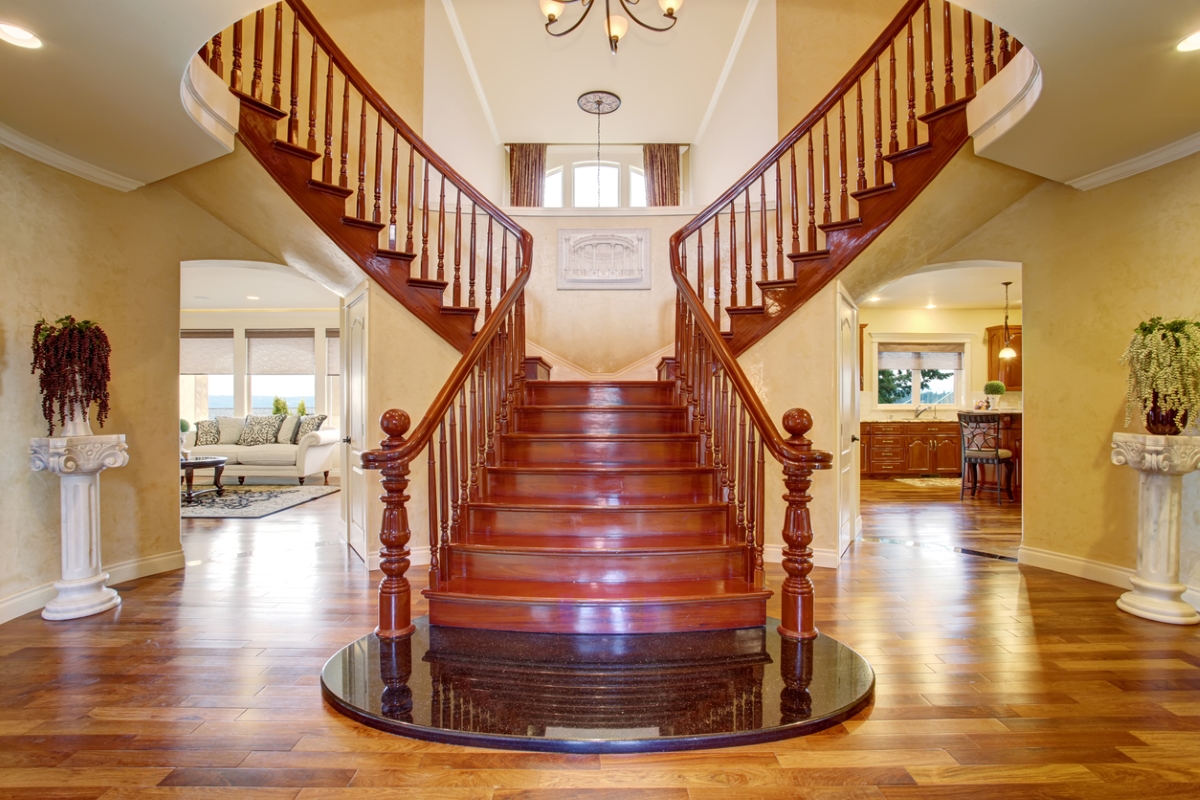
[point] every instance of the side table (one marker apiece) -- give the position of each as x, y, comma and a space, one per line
215, 463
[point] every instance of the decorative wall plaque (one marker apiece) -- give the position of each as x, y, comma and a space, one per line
604, 258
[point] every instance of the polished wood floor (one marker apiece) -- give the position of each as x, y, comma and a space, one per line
994, 681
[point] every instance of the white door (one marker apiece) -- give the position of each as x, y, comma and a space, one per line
354, 416
848, 425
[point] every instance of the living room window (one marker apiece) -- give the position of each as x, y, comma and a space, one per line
205, 374
281, 363
333, 378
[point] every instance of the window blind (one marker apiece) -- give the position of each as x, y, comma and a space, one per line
205, 352
281, 351
333, 351
931, 355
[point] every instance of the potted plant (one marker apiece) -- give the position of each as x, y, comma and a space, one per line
1164, 374
993, 390
72, 357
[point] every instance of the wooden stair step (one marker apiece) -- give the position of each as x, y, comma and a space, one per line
601, 485
578, 448
608, 419
302, 153
330, 188
600, 393
586, 544
598, 608
488, 521
811, 255
595, 565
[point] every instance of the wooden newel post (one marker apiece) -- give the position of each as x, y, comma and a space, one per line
797, 618
395, 599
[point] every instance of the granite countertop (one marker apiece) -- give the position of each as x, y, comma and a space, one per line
943, 415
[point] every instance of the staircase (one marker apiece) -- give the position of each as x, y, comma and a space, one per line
596, 519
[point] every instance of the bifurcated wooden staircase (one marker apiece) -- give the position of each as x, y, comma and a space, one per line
597, 519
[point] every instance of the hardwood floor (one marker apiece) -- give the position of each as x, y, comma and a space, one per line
994, 681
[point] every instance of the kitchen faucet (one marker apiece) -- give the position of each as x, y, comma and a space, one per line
921, 411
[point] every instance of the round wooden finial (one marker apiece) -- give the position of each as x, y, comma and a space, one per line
395, 423
797, 421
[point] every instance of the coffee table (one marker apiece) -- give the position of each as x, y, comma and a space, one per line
215, 463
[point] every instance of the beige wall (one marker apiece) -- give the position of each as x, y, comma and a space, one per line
72, 247
1095, 264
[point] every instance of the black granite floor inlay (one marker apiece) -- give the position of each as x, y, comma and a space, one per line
598, 694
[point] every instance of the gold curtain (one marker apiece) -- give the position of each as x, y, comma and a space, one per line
526, 173
661, 165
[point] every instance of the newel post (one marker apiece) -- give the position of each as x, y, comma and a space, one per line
395, 598
797, 618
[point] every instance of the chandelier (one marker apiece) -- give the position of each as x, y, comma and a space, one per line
615, 25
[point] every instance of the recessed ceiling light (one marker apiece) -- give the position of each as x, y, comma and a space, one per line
931, 305
874, 299
1190, 43
251, 297
15, 34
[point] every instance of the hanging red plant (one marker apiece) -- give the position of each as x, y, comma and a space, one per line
73, 360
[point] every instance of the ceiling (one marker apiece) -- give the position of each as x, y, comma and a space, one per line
954, 285
1113, 85
227, 285
531, 80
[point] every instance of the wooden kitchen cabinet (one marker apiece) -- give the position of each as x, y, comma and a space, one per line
1005, 370
912, 448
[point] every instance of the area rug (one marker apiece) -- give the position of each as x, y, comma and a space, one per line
930, 483
251, 502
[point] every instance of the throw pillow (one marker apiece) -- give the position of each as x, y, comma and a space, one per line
309, 424
287, 432
261, 430
207, 432
231, 429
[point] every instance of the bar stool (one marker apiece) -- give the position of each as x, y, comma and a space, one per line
980, 433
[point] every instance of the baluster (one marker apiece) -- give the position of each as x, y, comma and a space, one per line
489, 403
930, 95
718, 429
441, 265
762, 222
464, 468
394, 189
408, 238
893, 138
395, 597
204, 54
912, 90
431, 484
425, 221
455, 511
844, 197
742, 472
717, 270
277, 58
731, 458
293, 125
878, 127
377, 211
504, 261
475, 431
1003, 57
327, 159
812, 196
862, 154
969, 86
749, 223
761, 516
948, 47
779, 220
457, 293
825, 178
256, 83
733, 258
989, 63
487, 273
1015, 47
699, 266
797, 620
360, 201
703, 375
443, 507
343, 177
795, 199
312, 99
471, 265
217, 65
235, 74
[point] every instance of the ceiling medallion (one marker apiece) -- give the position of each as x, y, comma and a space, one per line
615, 25
599, 102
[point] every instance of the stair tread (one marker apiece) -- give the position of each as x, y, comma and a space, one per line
495, 504
643, 550
601, 437
638, 407
597, 542
606, 469
598, 593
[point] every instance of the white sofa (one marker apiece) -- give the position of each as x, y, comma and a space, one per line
311, 455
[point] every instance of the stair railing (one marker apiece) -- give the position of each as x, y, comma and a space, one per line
786, 206
423, 212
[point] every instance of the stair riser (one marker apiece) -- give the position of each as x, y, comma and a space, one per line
597, 567
598, 488
579, 452
616, 541
545, 393
708, 526
609, 420
598, 618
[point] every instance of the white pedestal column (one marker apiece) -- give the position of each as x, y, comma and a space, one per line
78, 462
1161, 462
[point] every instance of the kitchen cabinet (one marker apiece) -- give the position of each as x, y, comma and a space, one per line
1005, 370
912, 448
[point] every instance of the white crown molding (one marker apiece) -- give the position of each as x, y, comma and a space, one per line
60, 160
747, 15
1143, 163
452, 16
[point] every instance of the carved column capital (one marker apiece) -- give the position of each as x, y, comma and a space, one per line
77, 455
1165, 455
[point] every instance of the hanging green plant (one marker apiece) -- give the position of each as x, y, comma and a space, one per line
72, 357
1164, 370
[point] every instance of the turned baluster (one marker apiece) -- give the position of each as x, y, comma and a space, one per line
377, 211
797, 619
969, 86
761, 516
861, 183
425, 221
762, 222
408, 238
878, 127
844, 197
457, 291
235, 74
1004, 56
312, 100
779, 221
733, 259
344, 156
432, 506
794, 197
487, 273
394, 189
989, 61
812, 197
216, 64
504, 261
256, 83
742, 473
293, 125
749, 229
731, 458
277, 58
930, 94
473, 444
948, 51
395, 597
912, 90
717, 270
455, 513
699, 265
441, 264
893, 137
826, 175
471, 262
718, 428
360, 199
751, 507
327, 158
464, 464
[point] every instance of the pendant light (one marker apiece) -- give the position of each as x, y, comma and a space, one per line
1008, 351
598, 103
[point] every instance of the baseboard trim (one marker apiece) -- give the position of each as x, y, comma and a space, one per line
822, 557
1086, 568
22, 603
